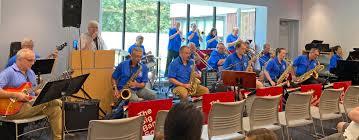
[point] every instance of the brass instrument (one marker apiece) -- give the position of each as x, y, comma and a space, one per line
203, 60
313, 72
125, 92
254, 57
285, 73
193, 81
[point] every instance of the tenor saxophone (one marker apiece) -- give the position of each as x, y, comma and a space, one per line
193, 81
285, 73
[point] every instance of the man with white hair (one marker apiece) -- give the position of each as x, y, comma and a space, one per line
92, 39
232, 39
27, 43
19, 74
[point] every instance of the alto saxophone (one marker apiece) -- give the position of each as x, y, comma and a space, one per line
285, 73
193, 81
313, 72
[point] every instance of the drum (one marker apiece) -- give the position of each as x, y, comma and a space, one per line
149, 61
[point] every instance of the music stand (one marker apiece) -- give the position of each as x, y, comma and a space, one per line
239, 79
42, 66
60, 89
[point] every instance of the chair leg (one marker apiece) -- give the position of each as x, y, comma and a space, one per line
321, 124
16, 132
282, 130
315, 131
288, 135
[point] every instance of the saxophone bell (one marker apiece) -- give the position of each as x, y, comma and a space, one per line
125, 94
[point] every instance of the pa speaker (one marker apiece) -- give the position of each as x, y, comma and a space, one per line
71, 13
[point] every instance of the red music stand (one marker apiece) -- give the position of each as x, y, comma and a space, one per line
345, 85
317, 92
208, 100
239, 79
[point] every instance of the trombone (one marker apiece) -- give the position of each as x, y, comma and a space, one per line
204, 61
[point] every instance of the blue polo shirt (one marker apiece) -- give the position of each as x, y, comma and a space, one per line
174, 44
333, 62
264, 59
275, 69
213, 44
12, 60
233, 62
214, 58
12, 77
123, 72
133, 46
179, 71
231, 38
195, 38
303, 64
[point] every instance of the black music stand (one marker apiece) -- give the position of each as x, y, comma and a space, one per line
239, 79
60, 89
42, 66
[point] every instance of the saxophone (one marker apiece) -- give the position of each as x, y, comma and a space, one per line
313, 72
286, 71
125, 92
193, 81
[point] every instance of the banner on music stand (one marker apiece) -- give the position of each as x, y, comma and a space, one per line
148, 109
317, 92
345, 84
209, 99
271, 91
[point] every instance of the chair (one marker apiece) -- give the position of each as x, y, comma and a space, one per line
263, 114
350, 101
17, 122
297, 111
14, 48
328, 106
118, 129
160, 121
225, 120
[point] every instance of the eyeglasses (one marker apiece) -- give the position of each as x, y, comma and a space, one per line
30, 60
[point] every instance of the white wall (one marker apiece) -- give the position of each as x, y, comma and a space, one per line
335, 22
277, 9
40, 20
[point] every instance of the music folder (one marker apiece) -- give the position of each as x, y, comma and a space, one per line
43, 66
57, 89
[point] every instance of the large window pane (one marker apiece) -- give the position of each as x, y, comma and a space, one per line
141, 19
248, 17
170, 14
226, 20
112, 12
203, 17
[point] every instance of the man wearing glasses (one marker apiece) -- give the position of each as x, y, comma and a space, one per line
20, 73
305, 63
92, 39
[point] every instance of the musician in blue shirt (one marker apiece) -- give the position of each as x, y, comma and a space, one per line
27, 43
305, 63
125, 70
174, 44
212, 39
338, 55
218, 56
232, 39
265, 55
239, 61
139, 41
275, 67
179, 75
194, 35
19, 74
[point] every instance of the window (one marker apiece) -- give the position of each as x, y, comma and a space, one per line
226, 20
141, 19
247, 28
112, 21
203, 17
